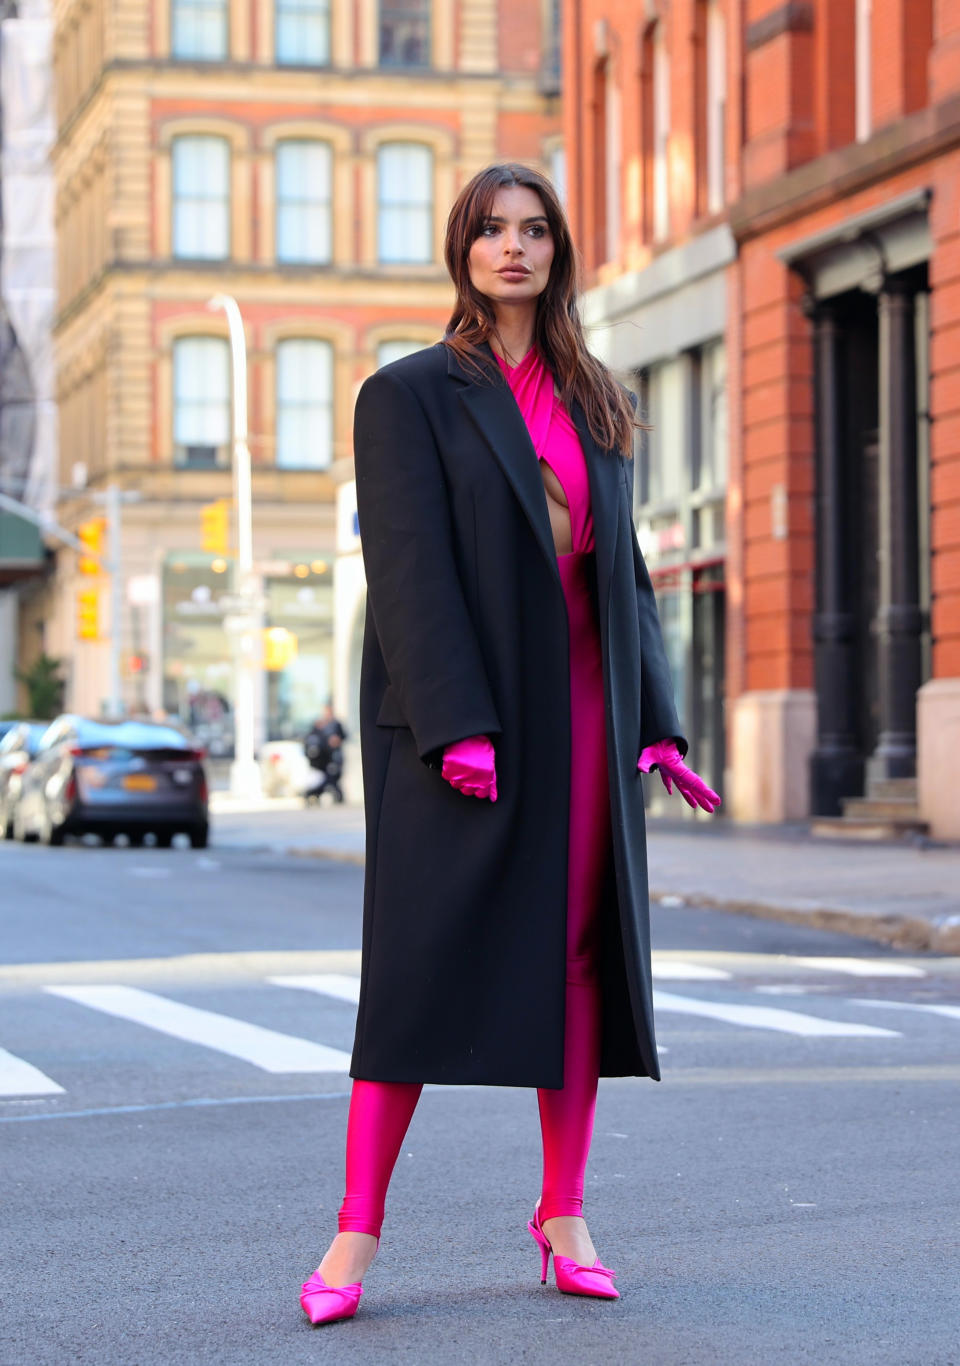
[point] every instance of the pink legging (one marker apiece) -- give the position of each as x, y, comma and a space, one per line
380, 1112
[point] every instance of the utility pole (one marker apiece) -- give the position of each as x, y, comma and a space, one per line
244, 773
114, 542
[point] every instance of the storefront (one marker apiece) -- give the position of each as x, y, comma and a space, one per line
296, 605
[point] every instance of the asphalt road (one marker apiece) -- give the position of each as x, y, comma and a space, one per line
171, 1134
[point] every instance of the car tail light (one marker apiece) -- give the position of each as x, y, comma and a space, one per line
203, 786
197, 754
70, 791
20, 768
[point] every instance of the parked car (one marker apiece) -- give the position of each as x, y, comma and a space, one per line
6, 727
110, 778
17, 748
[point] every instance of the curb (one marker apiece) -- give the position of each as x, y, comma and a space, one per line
899, 931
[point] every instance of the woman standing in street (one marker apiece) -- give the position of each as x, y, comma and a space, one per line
514, 684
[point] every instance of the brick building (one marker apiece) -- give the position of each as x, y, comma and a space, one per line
767, 198
301, 156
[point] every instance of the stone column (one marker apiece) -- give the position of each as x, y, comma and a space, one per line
899, 619
836, 768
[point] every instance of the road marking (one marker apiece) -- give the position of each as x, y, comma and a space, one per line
19, 1078
768, 1017
949, 1012
863, 967
264, 1048
673, 971
336, 984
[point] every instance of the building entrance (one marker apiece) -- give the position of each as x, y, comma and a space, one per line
870, 384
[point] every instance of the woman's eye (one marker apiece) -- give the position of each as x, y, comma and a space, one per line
488, 230
538, 230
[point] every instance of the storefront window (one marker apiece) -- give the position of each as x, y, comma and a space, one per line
301, 603
197, 668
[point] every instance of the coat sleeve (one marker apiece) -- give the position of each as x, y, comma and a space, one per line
426, 636
658, 711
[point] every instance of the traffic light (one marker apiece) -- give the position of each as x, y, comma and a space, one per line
90, 534
215, 527
88, 614
280, 648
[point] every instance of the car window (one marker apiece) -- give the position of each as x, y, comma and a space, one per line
131, 735
9, 741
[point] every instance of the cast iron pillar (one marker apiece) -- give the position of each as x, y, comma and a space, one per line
836, 767
899, 620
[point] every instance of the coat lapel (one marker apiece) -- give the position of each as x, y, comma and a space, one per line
494, 411
603, 469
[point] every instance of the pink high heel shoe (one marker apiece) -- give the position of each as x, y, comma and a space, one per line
572, 1279
324, 1303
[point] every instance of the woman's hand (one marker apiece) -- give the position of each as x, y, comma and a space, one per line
469, 766
665, 756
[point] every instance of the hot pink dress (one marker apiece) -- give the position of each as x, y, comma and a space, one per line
567, 1115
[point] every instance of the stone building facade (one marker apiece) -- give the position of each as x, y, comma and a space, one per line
780, 181
299, 155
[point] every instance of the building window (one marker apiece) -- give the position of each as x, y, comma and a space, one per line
304, 404
404, 32
661, 134
201, 402
201, 198
304, 176
388, 351
404, 203
198, 29
557, 161
716, 104
303, 32
864, 68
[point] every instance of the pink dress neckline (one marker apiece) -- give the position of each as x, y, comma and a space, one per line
554, 439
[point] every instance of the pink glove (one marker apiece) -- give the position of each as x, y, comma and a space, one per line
468, 765
665, 756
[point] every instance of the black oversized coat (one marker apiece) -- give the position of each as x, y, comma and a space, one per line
466, 634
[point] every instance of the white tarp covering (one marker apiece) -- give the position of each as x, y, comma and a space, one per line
28, 417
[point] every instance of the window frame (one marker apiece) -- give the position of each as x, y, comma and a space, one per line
177, 143
429, 207
327, 203
292, 8
223, 6
281, 404
221, 448
405, 10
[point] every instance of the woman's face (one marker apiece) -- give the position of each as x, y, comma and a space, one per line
510, 260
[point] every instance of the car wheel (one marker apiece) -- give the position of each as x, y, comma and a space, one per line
164, 839
199, 836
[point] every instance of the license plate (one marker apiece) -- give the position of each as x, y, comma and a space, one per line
140, 782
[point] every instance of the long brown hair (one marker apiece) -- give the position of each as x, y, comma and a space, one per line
558, 332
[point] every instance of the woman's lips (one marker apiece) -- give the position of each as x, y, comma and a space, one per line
518, 273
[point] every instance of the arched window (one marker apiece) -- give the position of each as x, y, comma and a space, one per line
198, 29
201, 198
304, 404
201, 401
404, 32
388, 351
404, 203
303, 32
304, 181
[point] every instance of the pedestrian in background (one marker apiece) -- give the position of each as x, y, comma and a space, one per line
506, 931
323, 748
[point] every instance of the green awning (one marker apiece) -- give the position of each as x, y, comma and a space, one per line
21, 547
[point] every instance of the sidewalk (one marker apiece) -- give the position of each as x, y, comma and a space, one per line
902, 894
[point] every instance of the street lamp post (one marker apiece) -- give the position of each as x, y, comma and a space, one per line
244, 774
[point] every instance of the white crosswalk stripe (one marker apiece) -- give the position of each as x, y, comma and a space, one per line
930, 1007
670, 970
864, 967
19, 1078
336, 984
264, 1048
768, 1017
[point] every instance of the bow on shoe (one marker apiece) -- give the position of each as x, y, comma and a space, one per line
665, 756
